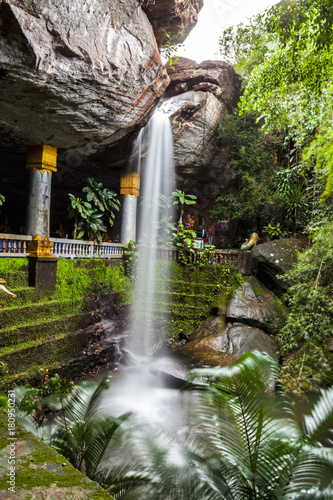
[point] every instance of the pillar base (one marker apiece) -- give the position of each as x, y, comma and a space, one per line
39, 247
246, 263
43, 273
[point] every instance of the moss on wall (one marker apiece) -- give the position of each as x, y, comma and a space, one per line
78, 278
192, 294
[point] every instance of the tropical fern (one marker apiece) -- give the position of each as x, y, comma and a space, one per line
263, 452
82, 433
245, 443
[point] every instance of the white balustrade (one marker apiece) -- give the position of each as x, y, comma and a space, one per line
15, 245
86, 249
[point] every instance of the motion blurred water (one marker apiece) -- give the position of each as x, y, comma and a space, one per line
135, 388
158, 180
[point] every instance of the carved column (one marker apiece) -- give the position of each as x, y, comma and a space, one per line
41, 161
130, 189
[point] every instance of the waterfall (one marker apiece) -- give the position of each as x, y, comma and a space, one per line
157, 181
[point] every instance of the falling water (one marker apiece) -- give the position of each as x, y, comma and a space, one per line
157, 184
136, 389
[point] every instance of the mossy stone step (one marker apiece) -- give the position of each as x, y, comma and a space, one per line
165, 308
15, 279
187, 287
30, 355
42, 329
14, 316
24, 295
174, 298
171, 282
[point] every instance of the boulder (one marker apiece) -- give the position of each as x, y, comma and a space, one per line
217, 77
276, 258
257, 306
174, 17
224, 346
172, 372
198, 97
76, 74
195, 118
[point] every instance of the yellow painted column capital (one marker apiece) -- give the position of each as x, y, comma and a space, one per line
130, 184
42, 157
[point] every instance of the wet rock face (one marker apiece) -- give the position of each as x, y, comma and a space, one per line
276, 258
216, 77
76, 74
254, 304
198, 97
176, 17
196, 117
224, 346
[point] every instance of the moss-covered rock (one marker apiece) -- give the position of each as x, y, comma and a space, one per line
40, 472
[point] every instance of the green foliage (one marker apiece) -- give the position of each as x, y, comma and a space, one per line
246, 45
130, 259
320, 153
244, 444
299, 68
81, 433
184, 240
31, 400
2, 199
274, 231
291, 89
306, 336
170, 43
78, 208
77, 279
256, 447
181, 198
3, 368
250, 198
93, 214
297, 204
9, 265
102, 199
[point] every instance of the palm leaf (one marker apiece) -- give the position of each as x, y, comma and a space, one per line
85, 399
104, 432
320, 418
243, 424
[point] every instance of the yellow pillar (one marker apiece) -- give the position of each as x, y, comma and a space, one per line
130, 184
130, 189
41, 161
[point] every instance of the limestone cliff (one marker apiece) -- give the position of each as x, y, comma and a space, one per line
197, 98
176, 17
77, 74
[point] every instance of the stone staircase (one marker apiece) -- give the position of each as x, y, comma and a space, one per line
185, 304
37, 331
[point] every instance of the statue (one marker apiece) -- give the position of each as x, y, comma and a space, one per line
5, 289
251, 242
190, 222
